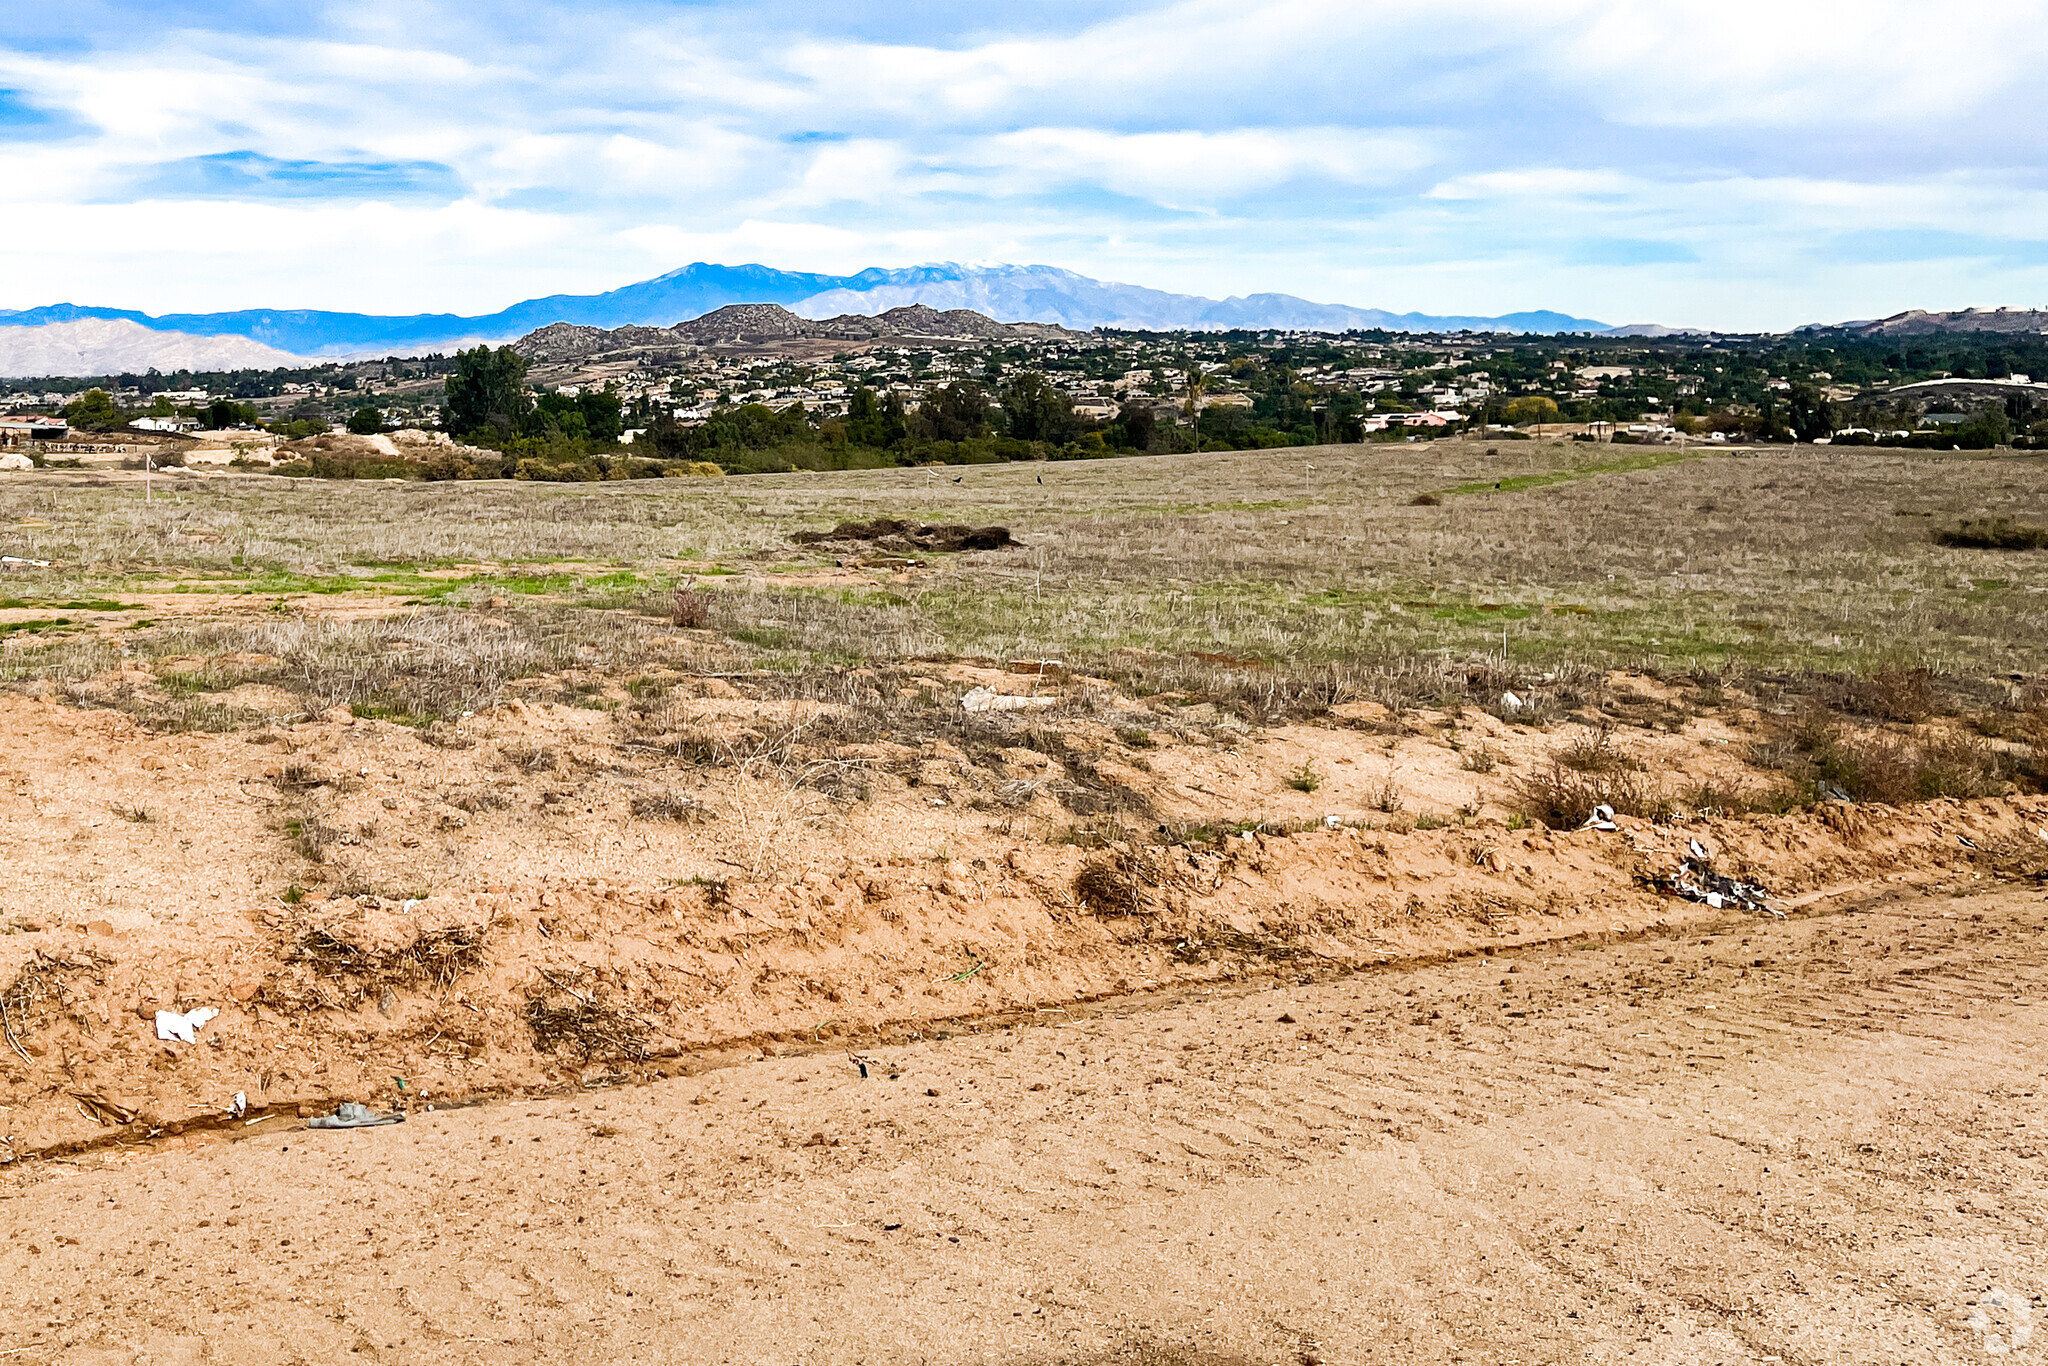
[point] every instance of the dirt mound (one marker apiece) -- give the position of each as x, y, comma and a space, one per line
885, 533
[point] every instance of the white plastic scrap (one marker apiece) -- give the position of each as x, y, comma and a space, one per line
988, 699
1333, 821
1601, 819
239, 1106
182, 1028
1510, 702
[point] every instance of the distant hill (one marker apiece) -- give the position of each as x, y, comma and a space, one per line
1009, 294
737, 324
1917, 322
101, 346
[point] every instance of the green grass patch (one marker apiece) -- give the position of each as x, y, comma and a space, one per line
80, 605
8, 628
1628, 464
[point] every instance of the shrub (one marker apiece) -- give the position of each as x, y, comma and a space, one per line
1563, 798
1596, 752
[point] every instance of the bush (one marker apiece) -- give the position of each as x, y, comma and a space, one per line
1563, 798
1894, 769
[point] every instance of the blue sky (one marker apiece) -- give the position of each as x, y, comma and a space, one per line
1732, 164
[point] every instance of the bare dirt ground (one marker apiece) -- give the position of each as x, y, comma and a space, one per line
1245, 989
1816, 1140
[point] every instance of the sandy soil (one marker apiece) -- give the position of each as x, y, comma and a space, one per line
1816, 1140
486, 922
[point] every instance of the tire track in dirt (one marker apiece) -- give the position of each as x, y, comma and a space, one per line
1648, 1150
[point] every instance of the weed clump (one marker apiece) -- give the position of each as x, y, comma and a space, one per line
1563, 797
669, 806
566, 1020
1823, 759
1115, 882
434, 958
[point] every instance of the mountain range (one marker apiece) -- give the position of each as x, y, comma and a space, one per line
1011, 294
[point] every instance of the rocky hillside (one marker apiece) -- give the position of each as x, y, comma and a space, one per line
742, 324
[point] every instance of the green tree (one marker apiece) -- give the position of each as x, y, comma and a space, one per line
954, 412
366, 421
1035, 410
487, 392
875, 421
93, 411
1810, 413
225, 412
1530, 409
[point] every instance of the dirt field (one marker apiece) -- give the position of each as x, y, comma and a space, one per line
1206, 885
1807, 1141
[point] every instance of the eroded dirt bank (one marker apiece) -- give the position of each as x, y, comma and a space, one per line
499, 915
1808, 1141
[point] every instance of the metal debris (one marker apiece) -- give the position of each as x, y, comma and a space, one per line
1696, 880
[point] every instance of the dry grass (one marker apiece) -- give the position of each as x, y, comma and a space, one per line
1115, 882
1170, 575
567, 1015
435, 958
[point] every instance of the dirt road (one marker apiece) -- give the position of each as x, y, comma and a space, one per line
1817, 1141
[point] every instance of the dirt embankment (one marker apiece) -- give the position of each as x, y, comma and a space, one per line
470, 935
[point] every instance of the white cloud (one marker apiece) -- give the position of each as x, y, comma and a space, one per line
1478, 149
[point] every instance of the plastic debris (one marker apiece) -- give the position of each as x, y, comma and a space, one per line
1332, 821
1510, 702
353, 1115
239, 1106
182, 1027
18, 560
1601, 819
1835, 792
988, 699
1696, 880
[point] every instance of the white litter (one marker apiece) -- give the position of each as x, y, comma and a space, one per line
988, 699
1333, 821
16, 559
239, 1106
174, 1027
1510, 702
412, 904
1601, 819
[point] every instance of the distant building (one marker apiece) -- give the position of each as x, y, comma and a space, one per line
19, 428
164, 424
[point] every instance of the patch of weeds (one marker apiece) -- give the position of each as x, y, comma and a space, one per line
689, 610
584, 1023
1563, 798
669, 806
1818, 755
293, 895
1135, 737
1115, 882
1596, 752
435, 958
528, 758
138, 815
312, 837
1480, 758
1429, 820
1305, 778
